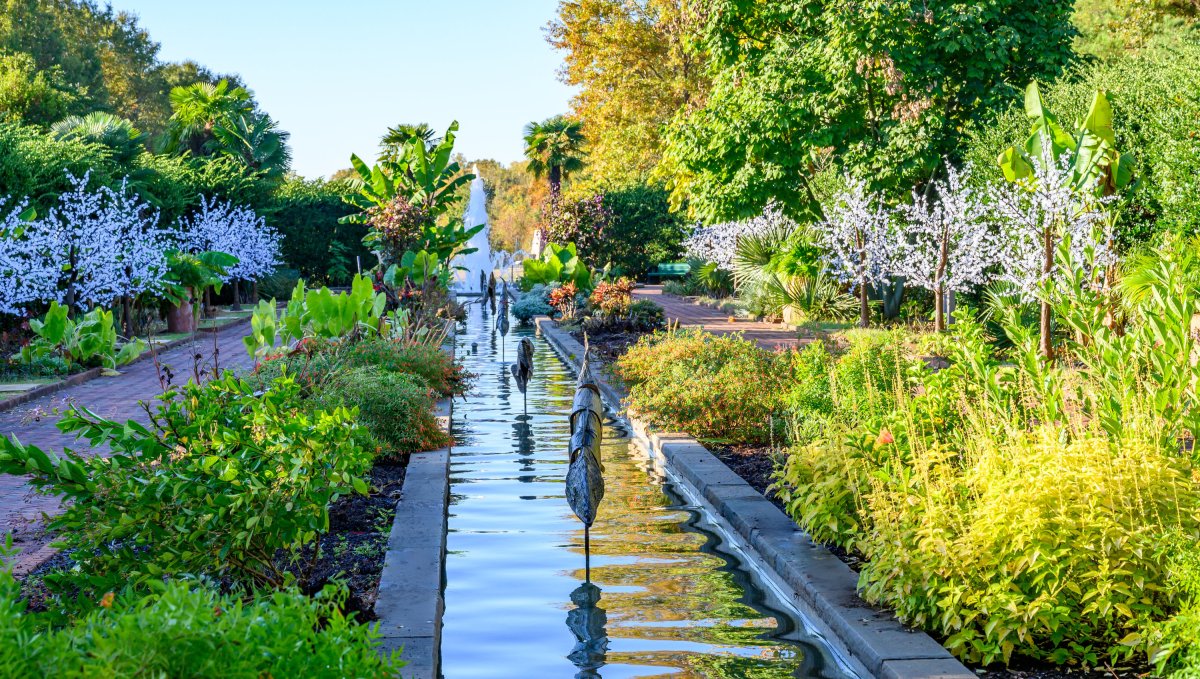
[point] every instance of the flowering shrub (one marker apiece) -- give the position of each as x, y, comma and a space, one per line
91, 248
718, 243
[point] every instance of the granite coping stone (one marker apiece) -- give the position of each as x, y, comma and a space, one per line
410, 602
825, 584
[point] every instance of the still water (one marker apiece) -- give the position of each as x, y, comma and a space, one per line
665, 599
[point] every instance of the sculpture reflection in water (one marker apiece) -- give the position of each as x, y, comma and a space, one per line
587, 622
585, 473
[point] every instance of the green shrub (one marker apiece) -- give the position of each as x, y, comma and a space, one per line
32, 164
187, 630
438, 370
222, 482
397, 408
646, 316
88, 341
713, 387
639, 233
870, 371
531, 304
1028, 544
279, 284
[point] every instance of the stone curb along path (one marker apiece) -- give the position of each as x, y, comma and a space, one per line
410, 602
89, 375
825, 585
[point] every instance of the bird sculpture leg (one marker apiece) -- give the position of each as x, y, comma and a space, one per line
587, 555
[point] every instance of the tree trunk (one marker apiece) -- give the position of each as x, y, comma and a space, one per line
237, 300
1047, 265
127, 315
254, 293
864, 309
939, 312
555, 175
939, 285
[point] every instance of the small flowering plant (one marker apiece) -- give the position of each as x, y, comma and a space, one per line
612, 299
563, 300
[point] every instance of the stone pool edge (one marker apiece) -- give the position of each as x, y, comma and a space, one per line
827, 586
410, 604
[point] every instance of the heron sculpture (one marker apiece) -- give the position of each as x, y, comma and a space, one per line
585, 473
482, 283
522, 370
491, 291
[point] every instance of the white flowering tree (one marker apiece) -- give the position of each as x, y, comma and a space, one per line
27, 272
105, 244
860, 240
1040, 212
948, 241
718, 243
221, 226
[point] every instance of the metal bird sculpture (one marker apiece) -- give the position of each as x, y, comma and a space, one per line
491, 291
482, 283
585, 473
522, 370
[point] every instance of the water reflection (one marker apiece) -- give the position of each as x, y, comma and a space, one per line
586, 621
665, 597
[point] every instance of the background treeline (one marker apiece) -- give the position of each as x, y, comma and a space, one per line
675, 96
82, 88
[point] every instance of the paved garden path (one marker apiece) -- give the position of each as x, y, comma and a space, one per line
112, 397
682, 311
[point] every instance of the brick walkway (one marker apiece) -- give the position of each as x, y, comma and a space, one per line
112, 397
767, 335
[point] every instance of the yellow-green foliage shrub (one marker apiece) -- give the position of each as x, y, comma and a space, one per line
713, 387
1044, 543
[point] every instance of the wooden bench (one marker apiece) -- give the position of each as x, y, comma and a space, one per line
670, 270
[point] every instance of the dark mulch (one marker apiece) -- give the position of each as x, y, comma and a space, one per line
351, 553
609, 345
1021, 670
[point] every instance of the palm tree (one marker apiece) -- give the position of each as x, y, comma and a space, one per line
197, 109
105, 129
391, 146
256, 141
554, 148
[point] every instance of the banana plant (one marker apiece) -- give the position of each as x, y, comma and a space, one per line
1096, 166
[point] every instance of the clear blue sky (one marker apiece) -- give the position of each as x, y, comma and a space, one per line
336, 73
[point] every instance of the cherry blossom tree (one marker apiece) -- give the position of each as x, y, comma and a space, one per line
27, 273
949, 242
718, 243
1040, 212
107, 246
221, 226
860, 240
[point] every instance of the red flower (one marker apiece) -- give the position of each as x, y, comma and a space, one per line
884, 438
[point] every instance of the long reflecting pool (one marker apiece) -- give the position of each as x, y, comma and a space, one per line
665, 600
